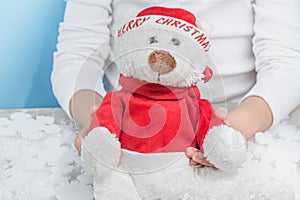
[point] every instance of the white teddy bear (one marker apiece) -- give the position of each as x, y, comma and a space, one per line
139, 134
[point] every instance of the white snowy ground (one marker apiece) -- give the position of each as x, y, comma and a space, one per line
38, 161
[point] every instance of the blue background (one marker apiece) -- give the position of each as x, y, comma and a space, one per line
28, 36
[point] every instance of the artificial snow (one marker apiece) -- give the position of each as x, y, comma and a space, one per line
38, 161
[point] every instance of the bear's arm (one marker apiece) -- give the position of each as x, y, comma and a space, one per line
109, 114
207, 120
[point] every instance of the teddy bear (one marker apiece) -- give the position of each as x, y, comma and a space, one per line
138, 136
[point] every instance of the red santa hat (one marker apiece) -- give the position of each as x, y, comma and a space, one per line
178, 13
176, 19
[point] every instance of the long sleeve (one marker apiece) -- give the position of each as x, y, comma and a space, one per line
83, 46
276, 46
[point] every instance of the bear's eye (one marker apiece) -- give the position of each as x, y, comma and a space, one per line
175, 41
153, 40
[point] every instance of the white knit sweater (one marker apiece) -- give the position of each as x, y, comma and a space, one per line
255, 48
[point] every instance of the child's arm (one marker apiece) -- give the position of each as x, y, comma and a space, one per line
83, 105
79, 62
251, 116
277, 55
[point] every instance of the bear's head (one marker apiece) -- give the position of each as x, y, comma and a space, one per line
163, 46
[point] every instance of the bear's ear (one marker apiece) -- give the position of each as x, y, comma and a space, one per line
207, 74
207, 28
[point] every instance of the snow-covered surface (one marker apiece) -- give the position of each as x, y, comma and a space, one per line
38, 161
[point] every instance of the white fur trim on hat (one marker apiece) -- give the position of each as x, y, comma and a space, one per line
168, 23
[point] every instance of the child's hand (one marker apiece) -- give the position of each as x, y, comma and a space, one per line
83, 106
84, 131
195, 155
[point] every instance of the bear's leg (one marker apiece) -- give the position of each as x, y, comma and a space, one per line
114, 185
100, 153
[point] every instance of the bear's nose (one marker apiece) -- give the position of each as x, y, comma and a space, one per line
161, 61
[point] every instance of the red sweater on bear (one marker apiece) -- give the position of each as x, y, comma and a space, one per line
148, 117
